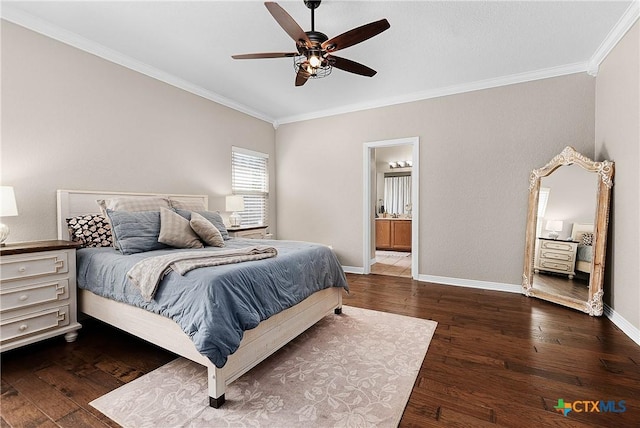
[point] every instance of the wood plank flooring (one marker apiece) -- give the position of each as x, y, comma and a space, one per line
496, 359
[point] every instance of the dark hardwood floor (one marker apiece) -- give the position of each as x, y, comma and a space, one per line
495, 359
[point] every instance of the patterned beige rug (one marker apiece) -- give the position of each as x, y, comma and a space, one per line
352, 370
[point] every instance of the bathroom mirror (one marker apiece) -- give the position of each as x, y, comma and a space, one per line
566, 231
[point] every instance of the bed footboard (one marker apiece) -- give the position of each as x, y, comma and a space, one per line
257, 344
270, 335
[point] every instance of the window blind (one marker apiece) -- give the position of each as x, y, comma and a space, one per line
250, 178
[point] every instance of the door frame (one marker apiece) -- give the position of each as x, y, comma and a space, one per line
369, 171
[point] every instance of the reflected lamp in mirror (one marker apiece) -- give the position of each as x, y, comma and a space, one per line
8, 208
234, 204
554, 226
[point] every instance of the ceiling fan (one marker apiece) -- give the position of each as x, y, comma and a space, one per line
314, 57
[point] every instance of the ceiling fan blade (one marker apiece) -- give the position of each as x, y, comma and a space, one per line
265, 55
288, 24
302, 77
356, 35
350, 66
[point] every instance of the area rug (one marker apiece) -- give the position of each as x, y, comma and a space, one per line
356, 369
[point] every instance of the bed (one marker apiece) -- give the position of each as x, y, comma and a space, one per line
583, 234
256, 344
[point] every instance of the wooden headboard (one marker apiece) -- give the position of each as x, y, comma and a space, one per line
579, 229
78, 202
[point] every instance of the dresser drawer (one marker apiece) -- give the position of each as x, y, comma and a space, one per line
32, 265
557, 245
556, 266
15, 328
33, 294
552, 256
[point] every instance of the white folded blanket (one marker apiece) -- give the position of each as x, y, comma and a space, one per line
147, 273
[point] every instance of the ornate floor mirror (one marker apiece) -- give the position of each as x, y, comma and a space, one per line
566, 231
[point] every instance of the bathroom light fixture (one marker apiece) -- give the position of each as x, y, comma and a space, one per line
400, 164
8, 208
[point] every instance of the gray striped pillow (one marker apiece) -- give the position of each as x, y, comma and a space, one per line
176, 231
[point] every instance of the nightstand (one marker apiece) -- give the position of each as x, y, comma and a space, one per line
556, 256
252, 232
38, 290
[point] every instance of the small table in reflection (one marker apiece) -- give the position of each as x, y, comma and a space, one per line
557, 256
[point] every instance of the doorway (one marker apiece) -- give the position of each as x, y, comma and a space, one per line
399, 258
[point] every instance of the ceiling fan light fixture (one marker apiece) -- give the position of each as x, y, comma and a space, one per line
322, 70
314, 61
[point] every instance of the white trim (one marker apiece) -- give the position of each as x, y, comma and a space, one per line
472, 283
38, 25
248, 152
353, 269
624, 325
546, 73
31, 22
367, 216
623, 25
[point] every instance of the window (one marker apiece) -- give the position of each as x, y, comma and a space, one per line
250, 178
397, 193
543, 199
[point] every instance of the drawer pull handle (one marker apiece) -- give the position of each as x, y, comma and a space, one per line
23, 327
22, 269
23, 297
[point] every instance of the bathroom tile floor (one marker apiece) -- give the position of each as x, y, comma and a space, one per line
392, 263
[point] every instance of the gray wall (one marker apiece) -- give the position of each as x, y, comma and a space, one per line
618, 139
477, 150
71, 120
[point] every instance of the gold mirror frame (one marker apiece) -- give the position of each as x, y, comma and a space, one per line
593, 306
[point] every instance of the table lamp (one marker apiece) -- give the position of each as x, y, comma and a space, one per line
235, 203
554, 226
8, 208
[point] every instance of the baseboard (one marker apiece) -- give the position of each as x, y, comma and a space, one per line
624, 325
620, 322
472, 283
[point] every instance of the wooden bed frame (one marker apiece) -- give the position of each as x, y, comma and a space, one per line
256, 345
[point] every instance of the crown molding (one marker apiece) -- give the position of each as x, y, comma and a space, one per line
623, 25
591, 67
43, 27
513, 79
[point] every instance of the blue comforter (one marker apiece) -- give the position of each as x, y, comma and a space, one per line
215, 305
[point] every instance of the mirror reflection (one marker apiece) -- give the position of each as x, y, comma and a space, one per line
564, 232
567, 231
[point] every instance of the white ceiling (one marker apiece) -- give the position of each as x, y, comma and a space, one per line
432, 48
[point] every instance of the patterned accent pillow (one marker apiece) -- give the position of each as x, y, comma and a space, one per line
587, 239
91, 230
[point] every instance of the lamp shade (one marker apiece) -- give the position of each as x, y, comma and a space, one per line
7, 202
235, 203
554, 225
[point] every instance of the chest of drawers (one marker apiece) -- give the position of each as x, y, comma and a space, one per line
37, 292
556, 256
250, 232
